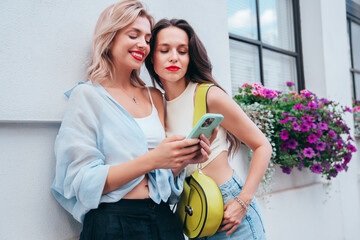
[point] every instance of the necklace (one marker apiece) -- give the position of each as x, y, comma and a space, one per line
132, 98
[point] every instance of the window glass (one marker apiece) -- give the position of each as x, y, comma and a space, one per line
244, 61
278, 69
357, 86
242, 18
277, 23
355, 39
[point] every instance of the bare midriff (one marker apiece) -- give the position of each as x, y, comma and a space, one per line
219, 169
141, 190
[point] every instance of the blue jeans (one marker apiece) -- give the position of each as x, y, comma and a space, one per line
251, 226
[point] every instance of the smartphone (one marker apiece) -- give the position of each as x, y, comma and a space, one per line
206, 125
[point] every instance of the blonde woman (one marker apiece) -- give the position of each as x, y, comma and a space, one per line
116, 172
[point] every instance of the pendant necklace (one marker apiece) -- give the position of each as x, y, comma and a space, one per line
132, 98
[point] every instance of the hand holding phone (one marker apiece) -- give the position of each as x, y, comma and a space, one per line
206, 125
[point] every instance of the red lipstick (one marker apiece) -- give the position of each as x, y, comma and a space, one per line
173, 68
137, 55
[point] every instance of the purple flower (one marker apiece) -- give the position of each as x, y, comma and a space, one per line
332, 133
312, 105
292, 144
308, 152
317, 168
305, 127
319, 133
324, 101
333, 174
323, 126
312, 138
347, 158
348, 110
286, 170
284, 146
296, 126
292, 118
289, 84
338, 167
284, 135
285, 114
352, 148
326, 164
321, 146
298, 107
339, 144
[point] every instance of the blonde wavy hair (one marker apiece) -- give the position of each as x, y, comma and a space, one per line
111, 20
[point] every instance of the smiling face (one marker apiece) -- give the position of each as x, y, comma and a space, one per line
131, 44
171, 55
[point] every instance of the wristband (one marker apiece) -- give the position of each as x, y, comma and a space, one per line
241, 203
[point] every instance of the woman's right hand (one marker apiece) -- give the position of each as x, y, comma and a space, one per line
174, 151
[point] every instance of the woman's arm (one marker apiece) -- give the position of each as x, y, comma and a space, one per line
238, 123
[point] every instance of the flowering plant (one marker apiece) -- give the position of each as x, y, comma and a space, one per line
309, 132
356, 111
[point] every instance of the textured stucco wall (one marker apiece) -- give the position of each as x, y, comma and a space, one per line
44, 47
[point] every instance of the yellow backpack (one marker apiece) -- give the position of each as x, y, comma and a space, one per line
201, 208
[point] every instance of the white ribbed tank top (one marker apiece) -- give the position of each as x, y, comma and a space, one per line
179, 120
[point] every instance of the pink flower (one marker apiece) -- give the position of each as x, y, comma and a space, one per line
308, 152
298, 107
245, 85
352, 148
338, 167
284, 120
312, 138
289, 84
320, 146
258, 86
284, 135
356, 109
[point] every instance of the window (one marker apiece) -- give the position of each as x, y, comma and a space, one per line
353, 20
265, 43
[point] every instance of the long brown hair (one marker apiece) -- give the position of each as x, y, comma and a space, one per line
199, 68
111, 20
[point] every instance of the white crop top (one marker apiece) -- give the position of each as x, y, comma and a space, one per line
151, 126
179, 120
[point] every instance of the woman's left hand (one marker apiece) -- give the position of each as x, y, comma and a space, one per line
205, 150
233, 214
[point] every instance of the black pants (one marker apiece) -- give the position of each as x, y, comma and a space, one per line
131, 219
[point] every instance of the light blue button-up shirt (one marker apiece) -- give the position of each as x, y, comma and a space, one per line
96, 133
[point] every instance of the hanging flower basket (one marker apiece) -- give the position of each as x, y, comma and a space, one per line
307, 132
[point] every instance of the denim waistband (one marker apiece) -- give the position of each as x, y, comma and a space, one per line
234, 179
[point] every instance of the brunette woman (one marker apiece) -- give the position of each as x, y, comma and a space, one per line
178, 63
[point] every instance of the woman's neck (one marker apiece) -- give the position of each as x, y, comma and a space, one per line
174, 89
121, 79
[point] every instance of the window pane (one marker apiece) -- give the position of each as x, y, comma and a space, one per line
242, 18
355, 38
244, 63
357, 86
278, 69
277, 23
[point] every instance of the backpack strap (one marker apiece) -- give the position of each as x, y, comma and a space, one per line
200, 101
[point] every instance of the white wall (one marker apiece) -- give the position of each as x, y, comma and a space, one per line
44, 47
44, 51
